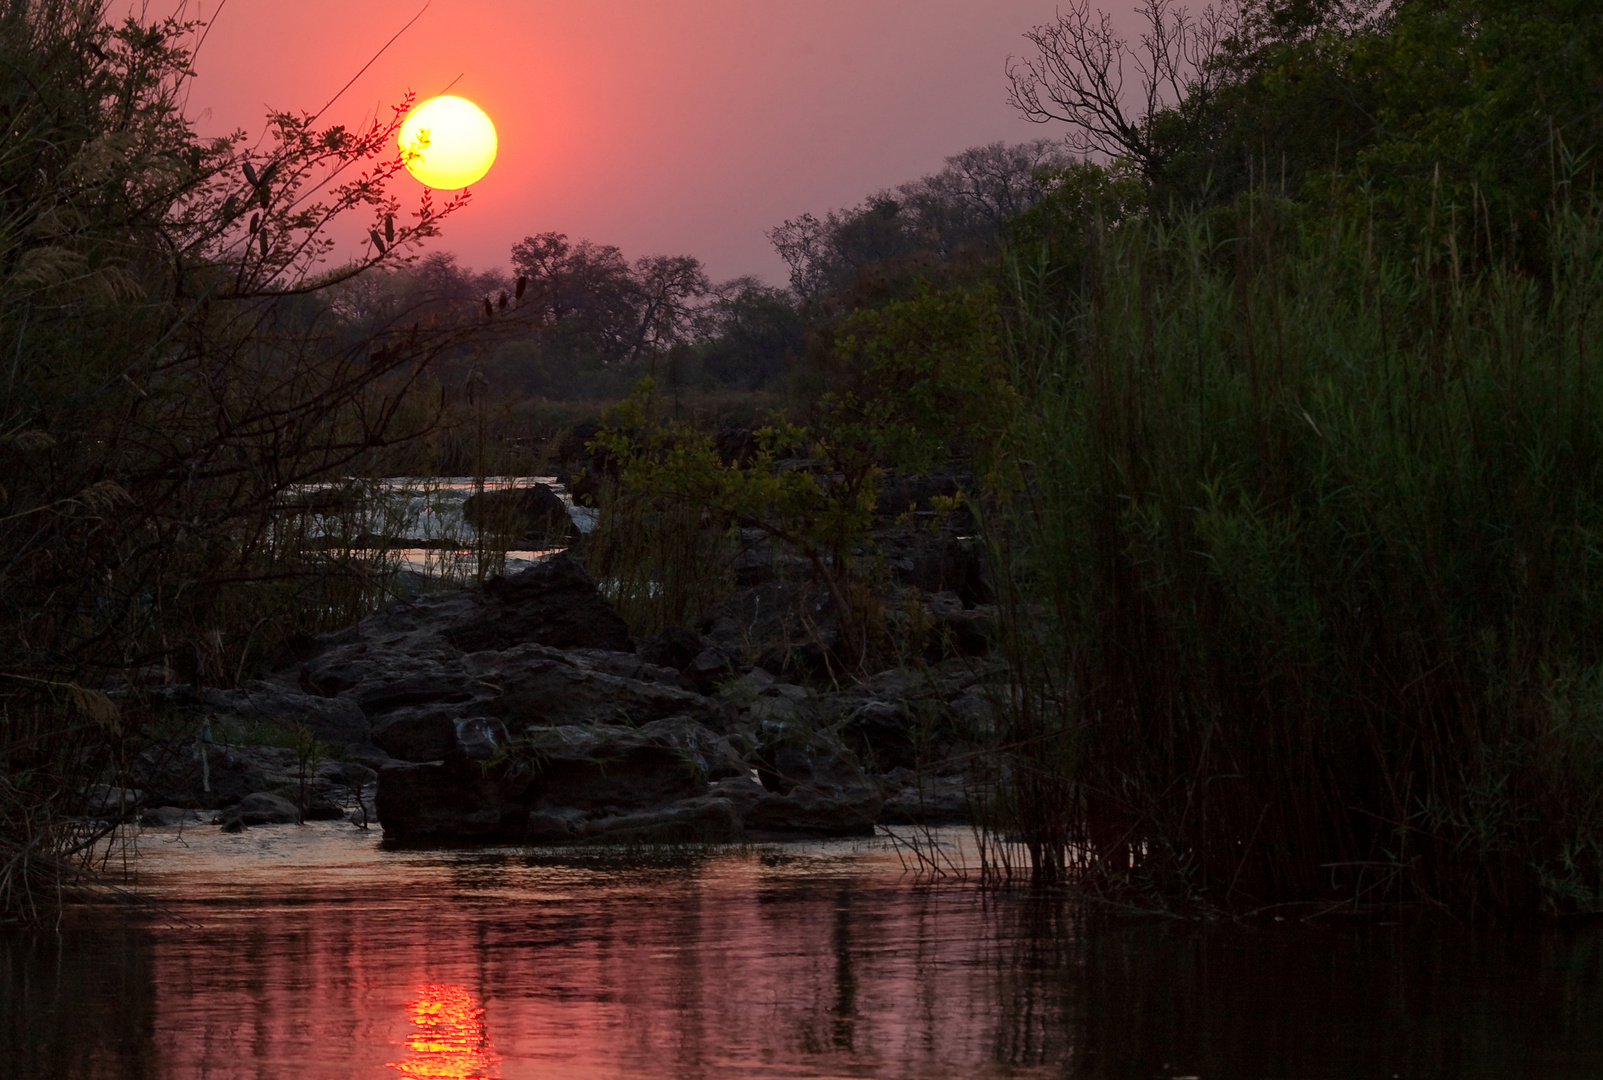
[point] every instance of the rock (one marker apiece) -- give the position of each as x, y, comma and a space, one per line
675, 648
554, 603
354, 775
744, 690
172, 775
107, 801
883, 736
545, 688
552, 827
480, 739
260, 808
963, 631
974, 711
599, 769
372, 759
334, 722
390, 669
627, 666
536, 514
709, 668
917, 799
813, 786
426, 733
692, 821
556, 780
440, 686
443, 801
901, 494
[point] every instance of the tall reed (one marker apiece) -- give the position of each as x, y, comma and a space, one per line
1299, 590
660, 560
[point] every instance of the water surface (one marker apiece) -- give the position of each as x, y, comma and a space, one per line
313, 952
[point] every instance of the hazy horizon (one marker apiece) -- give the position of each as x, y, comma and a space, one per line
689, 130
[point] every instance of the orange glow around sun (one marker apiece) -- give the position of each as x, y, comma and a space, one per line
447, 142
450, 1042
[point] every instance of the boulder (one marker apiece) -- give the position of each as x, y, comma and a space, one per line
545, 688
171, 775
435, 685
920, 799
107, 801
701, 820
554, 603
550, 783
813, 786
444, 801
423, 733
882, 735
674, 648
535, 514
615, 769
708, 668
334, 722
261, 808
628, 665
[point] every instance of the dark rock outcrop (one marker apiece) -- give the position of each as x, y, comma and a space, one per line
520, 712
439, 801
260, 808
535, 514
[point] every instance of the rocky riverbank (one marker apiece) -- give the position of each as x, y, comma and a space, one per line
520, 711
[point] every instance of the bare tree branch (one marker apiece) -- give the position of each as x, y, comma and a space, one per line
1081, 72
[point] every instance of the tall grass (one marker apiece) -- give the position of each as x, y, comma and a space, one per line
1302, 590
660, 560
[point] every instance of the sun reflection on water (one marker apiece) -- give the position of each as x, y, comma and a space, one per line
450, 1042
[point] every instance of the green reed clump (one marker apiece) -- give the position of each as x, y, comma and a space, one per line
1301, 591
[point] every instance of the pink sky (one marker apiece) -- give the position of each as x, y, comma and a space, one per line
662, 126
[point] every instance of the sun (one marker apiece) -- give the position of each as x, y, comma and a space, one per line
448, 142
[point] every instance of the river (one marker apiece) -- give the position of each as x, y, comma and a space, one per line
315, 952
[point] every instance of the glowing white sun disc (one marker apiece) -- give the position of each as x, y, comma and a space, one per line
448, 142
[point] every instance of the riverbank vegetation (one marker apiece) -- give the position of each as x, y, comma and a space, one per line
1270, 396
174, 370
1289, 479
1299, 552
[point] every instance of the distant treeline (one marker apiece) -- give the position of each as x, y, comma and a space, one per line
578, 320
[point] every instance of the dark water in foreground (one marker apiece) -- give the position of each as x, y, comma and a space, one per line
310, 953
